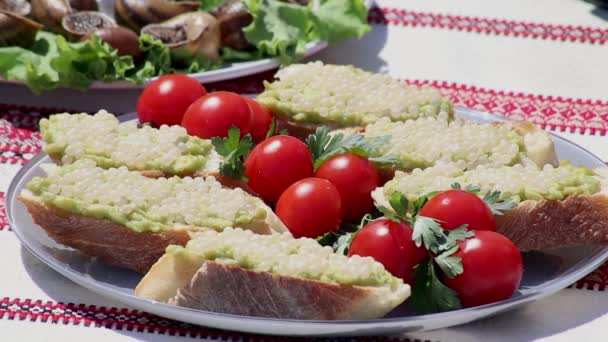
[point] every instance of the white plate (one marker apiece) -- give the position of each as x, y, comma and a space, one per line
230, 71
544, 273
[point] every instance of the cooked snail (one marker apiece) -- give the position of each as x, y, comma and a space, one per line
79, 24
232, 16
20, 7
125, 41
51, 12
84, 5
188, 35
17, 30
136, 14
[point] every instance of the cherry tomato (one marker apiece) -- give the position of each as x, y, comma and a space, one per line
355, 178
275, 164
492, 266
390, 243
260, 120
215, 113
165, 100
457, 207
310, 207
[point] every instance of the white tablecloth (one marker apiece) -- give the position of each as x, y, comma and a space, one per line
544, 60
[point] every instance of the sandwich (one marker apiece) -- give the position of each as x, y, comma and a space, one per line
558, 206
157, 152
424, 142
306, 96
127, 220
277, 276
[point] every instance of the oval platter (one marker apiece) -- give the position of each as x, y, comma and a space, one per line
545, 272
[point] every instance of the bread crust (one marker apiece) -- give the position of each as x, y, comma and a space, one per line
116, 244
111, 243
234, 290
575, 221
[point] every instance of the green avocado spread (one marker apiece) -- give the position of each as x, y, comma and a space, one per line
102, 138
145, 204
517, 182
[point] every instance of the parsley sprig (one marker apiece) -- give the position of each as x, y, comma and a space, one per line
324, 146
340, 241
234, 150
492, 198
429, 294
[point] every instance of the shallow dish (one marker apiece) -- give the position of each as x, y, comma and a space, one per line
545, 273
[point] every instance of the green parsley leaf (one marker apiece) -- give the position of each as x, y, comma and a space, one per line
343, 244
399, 203
429, 294
450, 265
327, 239
474, 189
324, 146
272, 129
234, 150
419, 202
389, 214
498, 206
429, 233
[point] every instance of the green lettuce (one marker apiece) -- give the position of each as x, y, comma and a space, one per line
279, 29
283, 29
53, 62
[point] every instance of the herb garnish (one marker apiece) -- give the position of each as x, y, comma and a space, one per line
492, 199
324, 146
234, 150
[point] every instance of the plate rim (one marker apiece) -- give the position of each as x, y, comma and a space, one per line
260, 325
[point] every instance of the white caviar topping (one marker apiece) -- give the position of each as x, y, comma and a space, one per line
124, 144
348, 96
426, 141
171, 202
283, 255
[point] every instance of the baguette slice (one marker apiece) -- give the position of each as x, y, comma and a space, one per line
164, 151
306, 96
424, 142
127, 219
236, 272
557, 207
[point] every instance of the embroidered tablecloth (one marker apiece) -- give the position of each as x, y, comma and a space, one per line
544, 61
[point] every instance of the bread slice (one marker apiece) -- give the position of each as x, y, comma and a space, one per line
305, 96
167, 150
111, 243
127, 220
544, 218
282, 284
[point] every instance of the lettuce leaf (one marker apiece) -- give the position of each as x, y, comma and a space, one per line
53, 62
283, 29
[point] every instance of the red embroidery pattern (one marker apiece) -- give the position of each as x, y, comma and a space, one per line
597, 280
513, 28
555, 113
18, 145
3, 219
131, 320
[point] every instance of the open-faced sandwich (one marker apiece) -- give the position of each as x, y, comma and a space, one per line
556, 206
306, 96
127, 219
165, 151
238, 272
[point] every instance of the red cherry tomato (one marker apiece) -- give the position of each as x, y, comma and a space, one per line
391, 244
260, 120
275, 164
215, 113
457, 207
165, 100
310, 207
492, 266
355, 178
